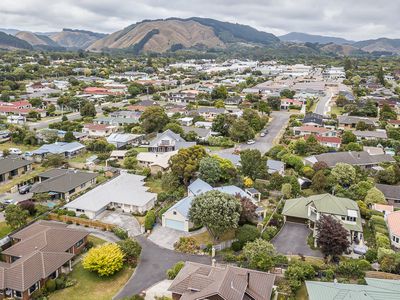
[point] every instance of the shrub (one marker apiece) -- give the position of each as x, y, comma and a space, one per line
186, 245
131, 249
382, 252
371, 255
377, 220
350, 269
149, 220
171, 273
236, 246
382, 241
83, 216
120, 232
247, 233
269, 233
50, 285
60, 283
105, 259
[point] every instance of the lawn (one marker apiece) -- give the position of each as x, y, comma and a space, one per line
90, 286
8, 145
154, 185
205, 238
4, 229
81, 158
141, 149
336, 110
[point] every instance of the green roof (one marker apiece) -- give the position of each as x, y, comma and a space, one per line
387, 290
325, 204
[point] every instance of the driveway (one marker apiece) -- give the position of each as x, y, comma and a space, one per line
123, 220
292, 239
153, 265
16, 196
166, 237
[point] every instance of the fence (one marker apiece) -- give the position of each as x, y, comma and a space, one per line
223, 245
81, 221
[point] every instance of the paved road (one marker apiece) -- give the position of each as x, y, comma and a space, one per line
263, 144
322, 107
292, 240
154, 262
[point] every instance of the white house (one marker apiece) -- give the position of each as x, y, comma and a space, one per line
393, 223
126, 193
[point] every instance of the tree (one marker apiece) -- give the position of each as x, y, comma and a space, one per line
247, 233
220, 92
375, 196
88, 110
222, 123
387, 176
219, 104
171, 273
264, 108
332, 237
252, 164
387, 113
154, 119
149, 220
54, 160
359, 190
353, 147
248, 213
241, 131
286, 93
380, 76
105, 260
228, 169
186, 162
345, 174
293, 161
16, 216
215, 210
297, 273
131, 249
175, 127
135, 89
210, 170
348, 137
130, 162
320, 165
286, 190
260, 255
253, 118
69, 137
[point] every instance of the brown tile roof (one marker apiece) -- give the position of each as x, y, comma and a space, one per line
42, 250
196, 281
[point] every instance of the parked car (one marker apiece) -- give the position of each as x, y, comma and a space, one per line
251, 142
8, 202
262, 134
24, 189
16, 151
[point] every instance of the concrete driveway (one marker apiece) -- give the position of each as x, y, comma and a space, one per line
123, 220
292, 239
166, 237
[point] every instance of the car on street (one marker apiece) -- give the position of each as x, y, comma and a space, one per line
16, 151
262, 134
8, 202
251, 142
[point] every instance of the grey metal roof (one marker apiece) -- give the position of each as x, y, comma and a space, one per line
360, 158
10, 164
59, 148
391, 192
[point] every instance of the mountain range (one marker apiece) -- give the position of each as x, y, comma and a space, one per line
169, 35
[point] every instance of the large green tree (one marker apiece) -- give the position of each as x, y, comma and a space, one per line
210, 170
154, 119
345, 174
260, 255
217, 211
241, 131
88, 110
253, 164
15, 216
186, 162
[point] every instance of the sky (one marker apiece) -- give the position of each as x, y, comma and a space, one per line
351, 19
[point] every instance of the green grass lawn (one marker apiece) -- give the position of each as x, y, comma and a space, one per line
4, 229
154, 185
336, 110
81, 158
90, 286
141, 149
8, 145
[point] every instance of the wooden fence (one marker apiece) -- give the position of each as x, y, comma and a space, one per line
81, 221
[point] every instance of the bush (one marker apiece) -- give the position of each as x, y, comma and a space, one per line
382, 241
236, 246
105, 260
351, 268
60, 283
377, 220
171, 273
371, 255
186, 245
247, 233
382, 252
51, 285
131, 249
149, 220
120, 232
269, 233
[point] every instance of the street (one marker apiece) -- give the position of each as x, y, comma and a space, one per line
323, 104
263, 144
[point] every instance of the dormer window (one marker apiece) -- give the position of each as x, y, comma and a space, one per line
174, 212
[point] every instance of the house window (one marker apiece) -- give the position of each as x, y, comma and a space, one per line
78, 244
80, 210
174, 212
17, 294
34, 288
351, 219
83, 185
54, 274
343, 218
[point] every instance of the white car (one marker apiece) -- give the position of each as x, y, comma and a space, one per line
16, 151
262, 134
9, 201
251, 142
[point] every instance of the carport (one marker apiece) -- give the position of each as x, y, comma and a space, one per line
292, 240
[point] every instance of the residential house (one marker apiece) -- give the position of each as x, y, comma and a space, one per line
68, 150
99, 130
39, 252
370, 135
201, 282
126, 114
394, 123
13, 167
313, 119
310, 209
235, 100
275, 166
373, 289
118, 154
63, 183
354, 158
142, 105
328, 141
186, 121
393, 224
185, 96
288, 103
209, 113
121, 140
156, 162
350, 122
168, 141
119, 121
308, 130
202, 133
391, 192
126, 193
383, 208
177, 217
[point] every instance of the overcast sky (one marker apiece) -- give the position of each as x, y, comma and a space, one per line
352, 19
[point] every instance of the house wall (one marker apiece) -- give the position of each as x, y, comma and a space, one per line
169, 215
395, 240
4, 177
79, 189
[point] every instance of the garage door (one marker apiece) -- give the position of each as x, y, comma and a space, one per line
178, 225
296, 220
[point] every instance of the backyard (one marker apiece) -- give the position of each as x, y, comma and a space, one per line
4, 229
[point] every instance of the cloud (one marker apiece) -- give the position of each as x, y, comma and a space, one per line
355, 19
